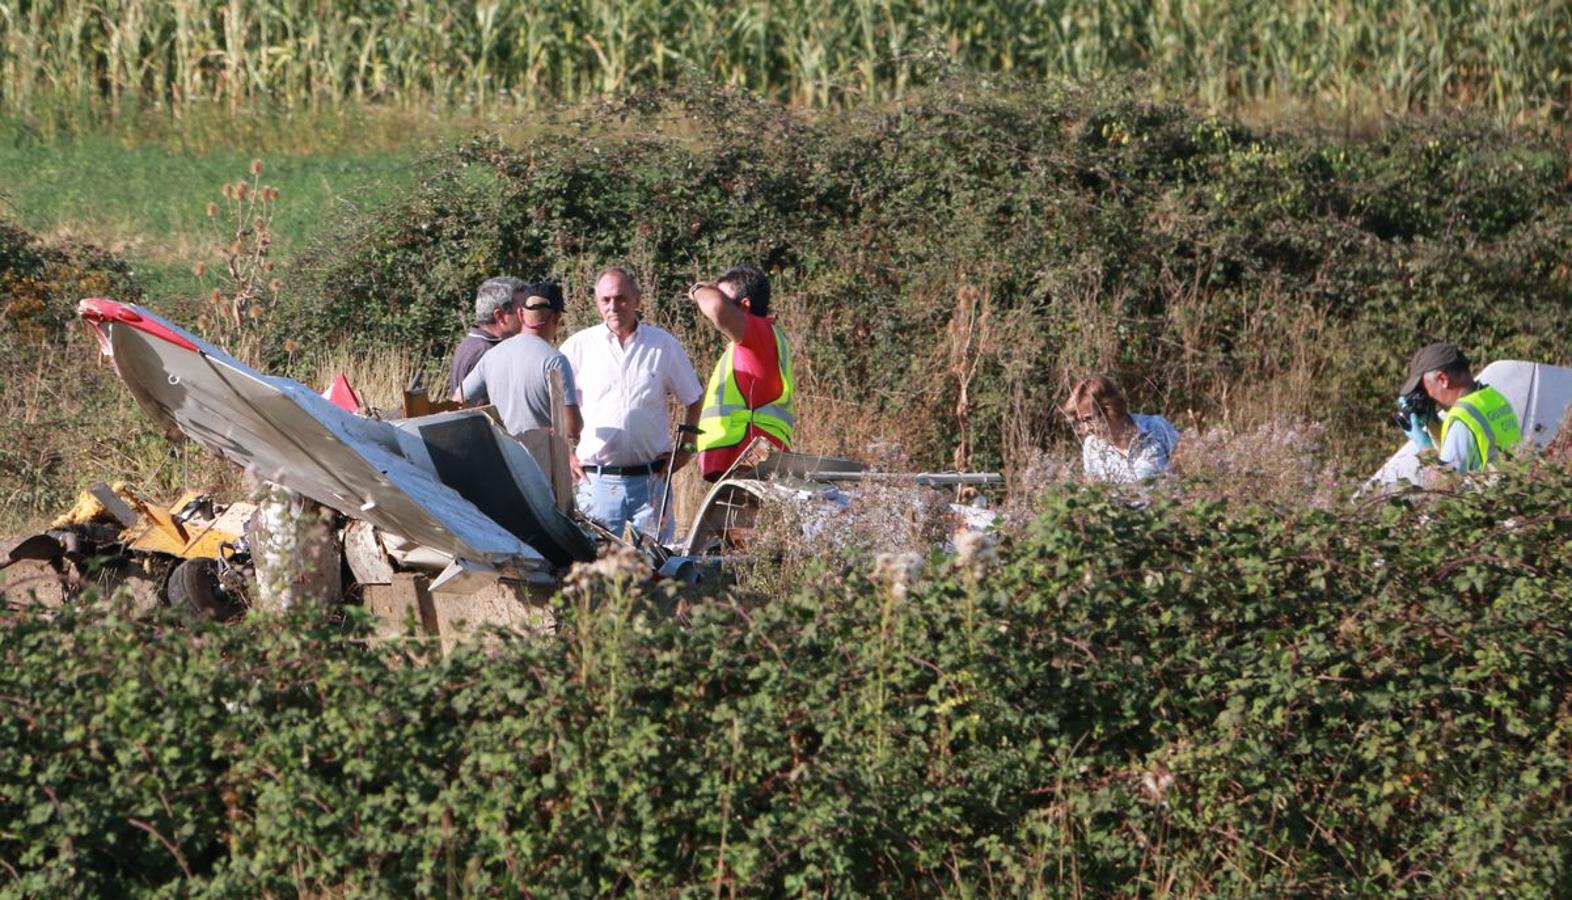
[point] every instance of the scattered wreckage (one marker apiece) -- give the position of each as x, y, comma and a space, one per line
189, 555
444, 520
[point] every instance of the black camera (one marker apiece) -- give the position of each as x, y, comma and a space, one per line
1414, 404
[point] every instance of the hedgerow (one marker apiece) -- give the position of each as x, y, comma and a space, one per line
1179, 696
1002, 238
41, 281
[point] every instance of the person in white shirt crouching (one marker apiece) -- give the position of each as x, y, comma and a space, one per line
1116, 445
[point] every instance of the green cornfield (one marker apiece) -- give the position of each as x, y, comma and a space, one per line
1510, 57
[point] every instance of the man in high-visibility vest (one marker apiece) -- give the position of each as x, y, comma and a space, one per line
1479, 424
750, 392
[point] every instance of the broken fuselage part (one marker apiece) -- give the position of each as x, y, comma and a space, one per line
454, 482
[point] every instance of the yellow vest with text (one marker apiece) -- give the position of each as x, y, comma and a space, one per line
726, 416
1490, 417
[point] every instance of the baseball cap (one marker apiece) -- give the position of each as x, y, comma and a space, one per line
550, 291
1429, 359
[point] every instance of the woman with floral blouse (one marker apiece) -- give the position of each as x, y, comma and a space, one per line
1117, 445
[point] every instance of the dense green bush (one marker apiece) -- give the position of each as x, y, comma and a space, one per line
1169, 697
41, 281
47, 394
1004, 239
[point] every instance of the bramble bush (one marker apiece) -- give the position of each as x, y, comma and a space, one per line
40, 282
1181, 696
46, 395
1001, 237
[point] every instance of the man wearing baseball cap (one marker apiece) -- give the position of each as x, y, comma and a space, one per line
541, 310
515, 375
1479, 423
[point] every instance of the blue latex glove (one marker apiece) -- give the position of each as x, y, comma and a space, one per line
1416, 425
1416, 432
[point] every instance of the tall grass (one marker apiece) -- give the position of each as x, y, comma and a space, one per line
76, 57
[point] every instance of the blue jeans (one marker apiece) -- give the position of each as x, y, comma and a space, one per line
618, 499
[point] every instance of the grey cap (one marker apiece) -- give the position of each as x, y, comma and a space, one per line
1429, 359
493, 295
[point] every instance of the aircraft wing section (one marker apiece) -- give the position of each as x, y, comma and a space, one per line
287, 433
1539, 394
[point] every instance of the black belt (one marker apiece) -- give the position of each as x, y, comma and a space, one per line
646, 469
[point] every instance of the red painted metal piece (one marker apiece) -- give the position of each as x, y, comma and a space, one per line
341, 395
98, 310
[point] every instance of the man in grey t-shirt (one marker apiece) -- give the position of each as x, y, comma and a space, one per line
516, 377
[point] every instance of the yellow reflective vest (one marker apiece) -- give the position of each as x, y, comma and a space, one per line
1490, 417
726, 415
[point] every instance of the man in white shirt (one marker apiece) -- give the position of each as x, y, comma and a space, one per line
625, 370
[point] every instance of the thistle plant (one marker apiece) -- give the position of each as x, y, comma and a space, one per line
243, 238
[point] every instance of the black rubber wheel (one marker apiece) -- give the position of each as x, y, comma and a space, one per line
195, 591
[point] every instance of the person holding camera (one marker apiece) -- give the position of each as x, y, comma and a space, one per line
1479, 423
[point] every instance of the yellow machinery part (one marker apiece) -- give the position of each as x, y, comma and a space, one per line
148, 526
158, 532
99, 503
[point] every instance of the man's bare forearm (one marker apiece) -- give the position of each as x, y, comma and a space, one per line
725, 315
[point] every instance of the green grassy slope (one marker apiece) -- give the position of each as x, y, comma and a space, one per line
148, 202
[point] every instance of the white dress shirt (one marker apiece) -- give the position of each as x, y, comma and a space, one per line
622, 391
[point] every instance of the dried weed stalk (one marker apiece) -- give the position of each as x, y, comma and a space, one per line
1042, 472
247, 288
845, 529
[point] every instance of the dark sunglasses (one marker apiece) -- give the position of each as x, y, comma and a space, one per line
723, 292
